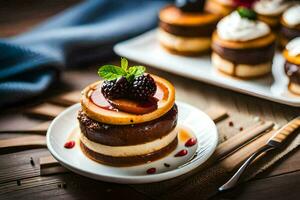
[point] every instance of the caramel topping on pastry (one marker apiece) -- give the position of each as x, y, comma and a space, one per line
259, 42
214, 6
173, 15
224, 2
271, 21
290, 58
165, 103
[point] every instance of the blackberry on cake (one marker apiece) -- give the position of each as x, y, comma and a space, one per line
190, 5
126, 82
143, 87
117, 88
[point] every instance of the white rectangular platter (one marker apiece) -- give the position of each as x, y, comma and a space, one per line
146, 49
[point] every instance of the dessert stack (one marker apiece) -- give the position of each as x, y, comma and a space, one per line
290, 24
242, 45
270, 11
186, 28
242, 34
292, 64
129, 118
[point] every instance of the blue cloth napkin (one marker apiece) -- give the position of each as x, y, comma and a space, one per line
30, 62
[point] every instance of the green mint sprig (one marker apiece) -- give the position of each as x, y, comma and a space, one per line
111, 72
247, 13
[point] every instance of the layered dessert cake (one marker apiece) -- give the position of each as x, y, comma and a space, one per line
185, 28
221, 7
292, 64
129, 118
242, 45
270, 11
290, 24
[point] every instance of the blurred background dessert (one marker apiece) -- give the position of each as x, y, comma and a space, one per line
292, 64
270, 11
242, 45
186, 28
290, 24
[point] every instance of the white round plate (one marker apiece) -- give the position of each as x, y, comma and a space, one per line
192, 119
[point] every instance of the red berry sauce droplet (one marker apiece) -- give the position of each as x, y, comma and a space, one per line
191, 142
151, 170
70, 144
181, 153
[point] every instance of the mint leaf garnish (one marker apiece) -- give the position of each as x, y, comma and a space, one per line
136, 70
247, 13
111, 72
124, 64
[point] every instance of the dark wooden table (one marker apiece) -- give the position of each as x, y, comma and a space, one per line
279, 182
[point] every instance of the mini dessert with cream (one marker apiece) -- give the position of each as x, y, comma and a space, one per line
243, 46
185, 28
270, 11
129, 118
290, 24
292, 64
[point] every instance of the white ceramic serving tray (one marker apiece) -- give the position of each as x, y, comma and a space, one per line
146, 49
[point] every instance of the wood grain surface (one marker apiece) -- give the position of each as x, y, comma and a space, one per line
19, 169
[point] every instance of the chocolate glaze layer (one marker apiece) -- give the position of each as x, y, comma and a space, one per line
293, 72
251, 56
290, 33
204, 30
130, 160
124, 135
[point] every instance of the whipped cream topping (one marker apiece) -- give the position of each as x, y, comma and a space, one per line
234, 27
270, 7
293, 47
292, 16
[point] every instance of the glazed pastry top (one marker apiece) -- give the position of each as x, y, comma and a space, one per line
226, 2
270, 7
293, 47
172, 15
235, 28
292, 16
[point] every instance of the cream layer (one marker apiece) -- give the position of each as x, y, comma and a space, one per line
240, 70
178, 43
133, 150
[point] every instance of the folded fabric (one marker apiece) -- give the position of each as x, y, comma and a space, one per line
30, 62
